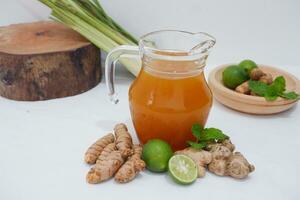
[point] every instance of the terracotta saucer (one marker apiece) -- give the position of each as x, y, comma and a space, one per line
252, 104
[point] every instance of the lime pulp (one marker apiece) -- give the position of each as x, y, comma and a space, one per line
182, 169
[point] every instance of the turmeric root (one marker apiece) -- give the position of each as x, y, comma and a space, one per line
243, 88
131, 167
256, 73
226, 163
200, 157
123, 140
109, 161
95, 149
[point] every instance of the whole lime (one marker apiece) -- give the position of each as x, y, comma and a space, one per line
233, 76
248, 65
156, 154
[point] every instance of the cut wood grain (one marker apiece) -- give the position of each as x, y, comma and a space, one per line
46, 60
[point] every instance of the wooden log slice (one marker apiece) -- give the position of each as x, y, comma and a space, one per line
46, 60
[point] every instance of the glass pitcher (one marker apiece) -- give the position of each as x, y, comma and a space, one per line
170, 93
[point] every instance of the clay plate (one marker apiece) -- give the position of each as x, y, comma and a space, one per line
252, 104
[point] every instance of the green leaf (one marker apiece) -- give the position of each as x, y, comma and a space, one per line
195, 145
271, 92
278, 85
270, 98
213, 134
197, 130
258, 87
289, 95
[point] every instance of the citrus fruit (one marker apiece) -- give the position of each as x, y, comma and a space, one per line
182, 169
248, 65
233, 76
156, 154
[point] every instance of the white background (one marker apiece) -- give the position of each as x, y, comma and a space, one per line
42, 143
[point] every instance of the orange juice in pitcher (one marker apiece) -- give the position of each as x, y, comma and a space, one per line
170, 93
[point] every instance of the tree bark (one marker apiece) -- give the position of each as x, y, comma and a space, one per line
46, 60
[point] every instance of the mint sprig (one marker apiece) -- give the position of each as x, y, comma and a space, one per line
273, 91
205, 136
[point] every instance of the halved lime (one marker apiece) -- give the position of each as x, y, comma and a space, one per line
182, 169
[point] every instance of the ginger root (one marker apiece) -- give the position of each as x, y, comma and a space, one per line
123, 140
131, 167
243, 88
95, 149
226, 163
108, 163
238, 166
266, 78
256, 73
200, 157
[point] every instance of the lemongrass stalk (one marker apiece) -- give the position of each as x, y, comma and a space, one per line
98, 39
79, 18
115, 24
102, 27
76, 23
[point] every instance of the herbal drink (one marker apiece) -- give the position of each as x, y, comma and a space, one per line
166, 105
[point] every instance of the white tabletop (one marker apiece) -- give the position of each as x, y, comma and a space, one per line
42, 146
42, 143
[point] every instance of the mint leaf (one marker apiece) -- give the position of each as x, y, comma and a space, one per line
197, 130
289, 95
278, 85
270, 98
213, 134
271, 92
195, 145
258, 87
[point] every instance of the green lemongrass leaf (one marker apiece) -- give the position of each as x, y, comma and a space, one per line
213, 134
95, 8
195, 145
197, 130
289, 95
96, 37
94, 24
80, 11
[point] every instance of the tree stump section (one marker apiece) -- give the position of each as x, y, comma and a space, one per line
46, 60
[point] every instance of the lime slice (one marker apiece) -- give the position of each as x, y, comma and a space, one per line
182, 169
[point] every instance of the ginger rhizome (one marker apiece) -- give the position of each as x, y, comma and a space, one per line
114, 156
255, 74
219, 158
95, 149
225, 162
131, 167
123, 140
200, 157
109, 161
243, 88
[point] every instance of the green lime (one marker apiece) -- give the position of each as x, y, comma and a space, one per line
183, 169
233, 76
156, 154
248, 65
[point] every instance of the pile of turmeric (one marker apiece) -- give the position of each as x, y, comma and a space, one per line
114, 155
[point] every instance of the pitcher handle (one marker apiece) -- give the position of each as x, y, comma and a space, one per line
123, 51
